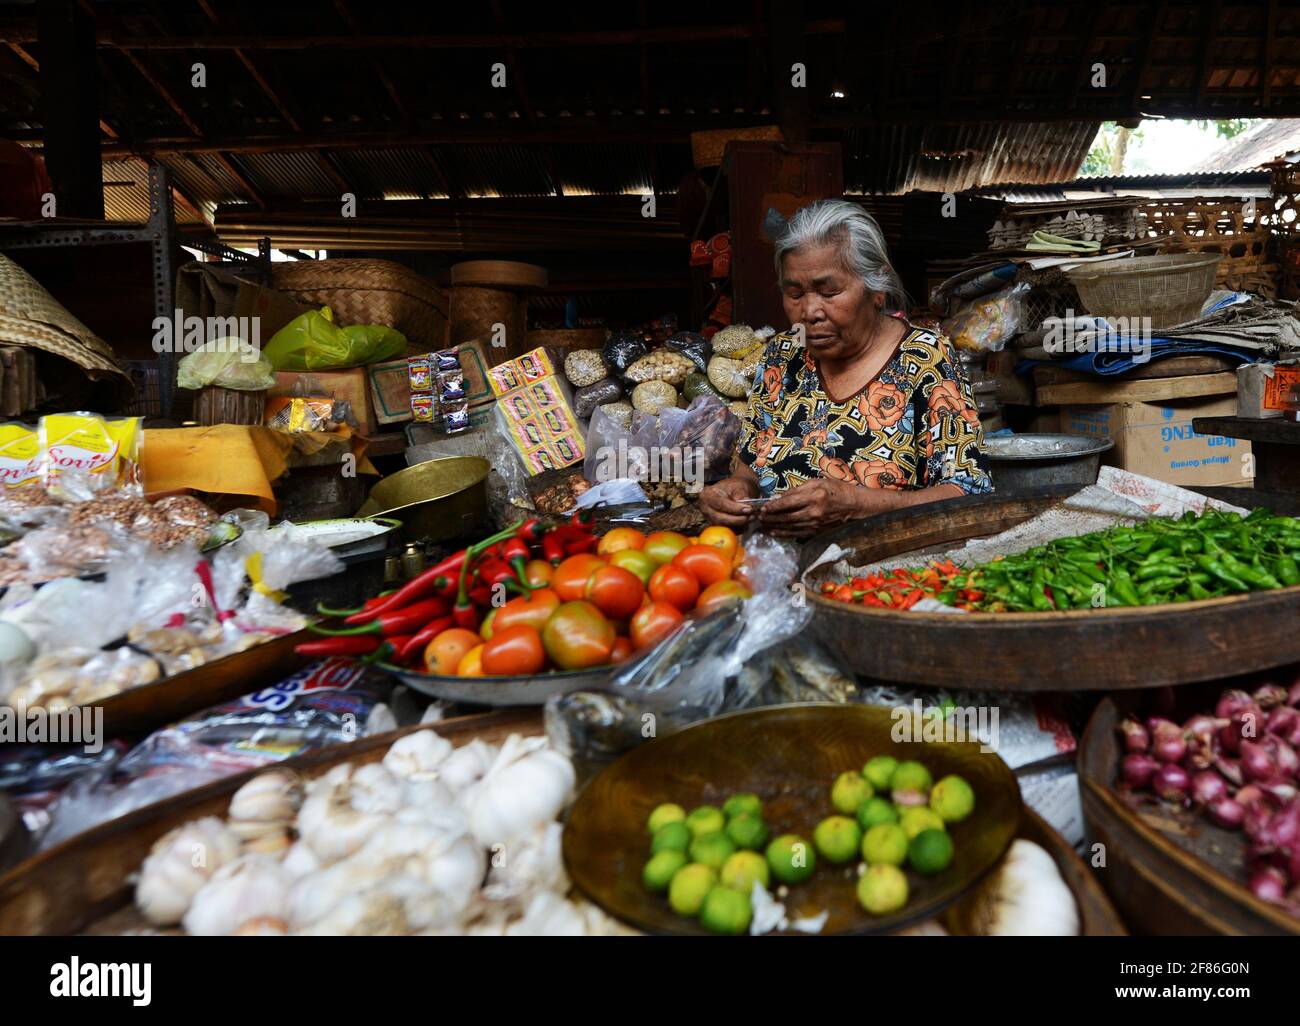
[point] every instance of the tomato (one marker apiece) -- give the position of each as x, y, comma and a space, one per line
653, 623
622, 649
514, 651
533, 610
738, 560
615, 592
675, 586
618, 539
471, 664
485, 628
578, 636
661, 546
635, 560
570, 578
537, 572
445, 652
720, 537
705, 563
719, 594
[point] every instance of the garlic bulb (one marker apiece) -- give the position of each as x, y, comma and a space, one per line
269, 841
526, 786
274, 796
374, 789
251, 887
179, 864
313, 896
330, 822
419, 753
466, 765
531, 864
1023, 896
425, 792
300, 860
549, 915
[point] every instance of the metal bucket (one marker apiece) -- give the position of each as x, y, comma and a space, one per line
1017, 462
437, 499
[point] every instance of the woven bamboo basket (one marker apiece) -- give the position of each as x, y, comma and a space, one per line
1169, 289
1234, 227
1284, 216
371, 292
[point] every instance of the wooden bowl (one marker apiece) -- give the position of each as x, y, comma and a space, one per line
789, 756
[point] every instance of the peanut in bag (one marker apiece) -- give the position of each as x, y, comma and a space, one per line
84, 454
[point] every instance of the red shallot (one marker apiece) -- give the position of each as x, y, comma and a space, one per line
1136, 738
1227, 813
1269, 695
1268, 884
1230, 702
1208, 787
1138, 769
1169, 746
1255, 762
1170, 782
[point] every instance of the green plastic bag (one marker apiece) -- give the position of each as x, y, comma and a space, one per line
313, 342
228, 363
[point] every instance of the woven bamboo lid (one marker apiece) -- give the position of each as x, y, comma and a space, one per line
502, 274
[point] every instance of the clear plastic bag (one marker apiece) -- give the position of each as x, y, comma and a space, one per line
622, 350
312, 342
226, 363
250, 576
692, 345
985, 325
587, 398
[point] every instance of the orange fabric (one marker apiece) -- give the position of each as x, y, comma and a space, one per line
232, 459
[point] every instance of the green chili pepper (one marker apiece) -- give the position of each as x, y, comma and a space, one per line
1287, 570
1211, 565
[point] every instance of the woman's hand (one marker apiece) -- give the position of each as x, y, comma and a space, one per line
817, 505
720, 502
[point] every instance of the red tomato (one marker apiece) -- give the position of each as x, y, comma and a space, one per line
570, 578
622, 649
578, 636
444, 653
618, 539
533, 610
675, 586
636, 561
537, 572
653, 623
720, 537
661, 546
705, 563
615, 592
719, 593
514, 651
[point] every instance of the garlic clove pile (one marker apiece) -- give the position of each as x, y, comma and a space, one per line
419, 753
178, 866
252, 887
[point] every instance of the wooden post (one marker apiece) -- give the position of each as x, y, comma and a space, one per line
70, 107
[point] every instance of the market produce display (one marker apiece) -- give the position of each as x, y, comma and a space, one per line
1193, 557
396, 847
1237, 764
539, 598
717, 864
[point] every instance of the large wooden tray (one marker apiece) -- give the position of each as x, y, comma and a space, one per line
1169, 872
1079, 650
83, 886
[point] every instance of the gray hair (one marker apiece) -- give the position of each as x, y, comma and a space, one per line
862, 244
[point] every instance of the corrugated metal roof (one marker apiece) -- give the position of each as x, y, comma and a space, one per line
1264, 141
126, 193
517, 171
290, 176
393, 174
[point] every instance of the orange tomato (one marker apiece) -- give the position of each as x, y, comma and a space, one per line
533, 610
719, 594
514, 651
661, 546
618, 539
738, 560
705, 563
485, 628
675, 586
621, 650
653, 623
615, 592
636, 561
471, 664
570, 578
578, 636
537, 572
720, 537
444, 653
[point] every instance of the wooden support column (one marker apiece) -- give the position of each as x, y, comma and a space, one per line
787, 43
70, 107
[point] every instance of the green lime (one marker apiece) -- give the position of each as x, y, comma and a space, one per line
791, 858
663, 815
882, 889
911, 776
919, 818
837, 839
879, 771
875, 811
726, 911
952, 798
671, 837
690, 885
930, 852
741, 803
748, 831
885, 845
712, 849
661, 869
705, 820
849, 791
742, 869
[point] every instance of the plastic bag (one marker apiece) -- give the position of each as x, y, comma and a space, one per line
622, 350
226, 363
985, 325
587, 398
250, 576
84, 454
312, 341
694, 346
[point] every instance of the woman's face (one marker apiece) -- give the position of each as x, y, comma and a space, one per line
830, 301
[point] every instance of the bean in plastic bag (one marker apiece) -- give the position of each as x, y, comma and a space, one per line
623, 349
312, 341
693, 346
586, 399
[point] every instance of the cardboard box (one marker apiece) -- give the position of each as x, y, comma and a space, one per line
352, 386
1156, 439
1266, 389
390, 389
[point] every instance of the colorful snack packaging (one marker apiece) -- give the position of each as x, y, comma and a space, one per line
100, 453
423, 408
20, 455
419, 369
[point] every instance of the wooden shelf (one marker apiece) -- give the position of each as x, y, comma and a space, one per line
1100, 393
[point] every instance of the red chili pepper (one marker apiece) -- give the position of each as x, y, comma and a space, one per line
438, 603
493, 571
420, 640
431, 581
394, 647
530, 530
340, 646
584, 520
400, 621
583, 544
553, 546
515, 552
465, 615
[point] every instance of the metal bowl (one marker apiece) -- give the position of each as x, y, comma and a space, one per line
1033, 460
437, 499
501, 691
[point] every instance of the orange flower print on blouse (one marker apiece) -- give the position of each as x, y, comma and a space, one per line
883, 405
879, 474
947, 398
763, 443
834, 468
772, 384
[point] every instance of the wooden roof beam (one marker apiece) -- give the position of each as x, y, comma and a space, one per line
386, 80
514, 65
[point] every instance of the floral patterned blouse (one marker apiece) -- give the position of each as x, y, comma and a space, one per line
914, 426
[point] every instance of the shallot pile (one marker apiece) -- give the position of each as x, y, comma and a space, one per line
1240, 766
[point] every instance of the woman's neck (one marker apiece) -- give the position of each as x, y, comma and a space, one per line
881, 340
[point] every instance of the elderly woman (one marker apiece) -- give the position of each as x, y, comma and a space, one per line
854, 411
